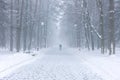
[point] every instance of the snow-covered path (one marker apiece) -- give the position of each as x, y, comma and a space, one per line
55, 65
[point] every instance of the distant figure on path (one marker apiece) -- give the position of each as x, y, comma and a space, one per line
60, 47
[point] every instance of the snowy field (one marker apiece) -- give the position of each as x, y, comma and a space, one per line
68, 64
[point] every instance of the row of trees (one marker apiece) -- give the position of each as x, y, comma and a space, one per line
28, 24
23, 24
93, 24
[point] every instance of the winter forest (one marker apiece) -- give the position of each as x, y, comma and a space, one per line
59, 39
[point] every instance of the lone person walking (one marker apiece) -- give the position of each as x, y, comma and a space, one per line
60, 47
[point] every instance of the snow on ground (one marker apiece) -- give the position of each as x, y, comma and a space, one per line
68, 64
105, 65
9, 61
55, 65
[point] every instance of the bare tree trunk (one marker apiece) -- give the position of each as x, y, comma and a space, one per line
18, 37
85, 24
11, 28
46, 26
100, 7
111, 27
38, 29
25, 38
25, 29
92, 38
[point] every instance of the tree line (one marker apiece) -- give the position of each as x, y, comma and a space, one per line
92, 24
23, 24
